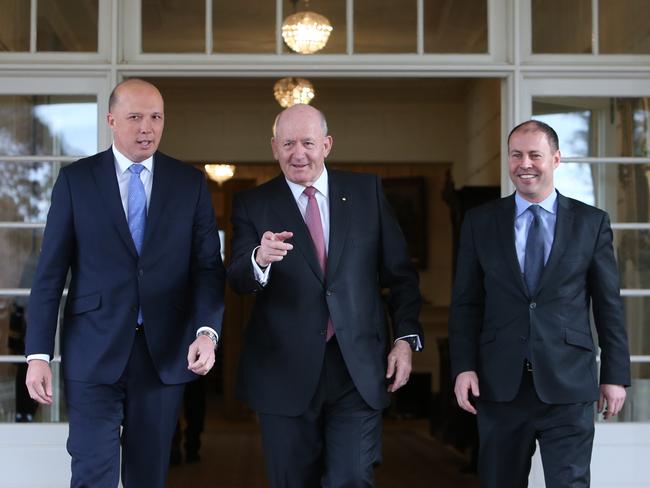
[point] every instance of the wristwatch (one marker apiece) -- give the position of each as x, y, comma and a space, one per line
210, 334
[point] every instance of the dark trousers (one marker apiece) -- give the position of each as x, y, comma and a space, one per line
143, 406
336, 443
508, 431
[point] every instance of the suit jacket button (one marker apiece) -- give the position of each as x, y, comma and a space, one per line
533, 305
328, 293
140, 272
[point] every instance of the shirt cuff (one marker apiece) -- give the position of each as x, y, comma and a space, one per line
42, 357
418, 344
210, 329
261, 275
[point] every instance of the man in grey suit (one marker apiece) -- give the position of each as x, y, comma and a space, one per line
531, 267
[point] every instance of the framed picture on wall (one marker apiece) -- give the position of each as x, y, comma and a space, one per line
408, 197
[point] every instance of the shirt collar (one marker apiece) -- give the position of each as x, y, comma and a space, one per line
321, 184
549, 203
123, 163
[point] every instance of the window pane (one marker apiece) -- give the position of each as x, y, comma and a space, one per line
67, 25
624, 26
173, 26
245, 26
637, 316
19, 249
334, 10
561, 27
385, 26
48, 125
455, 26
25, 191
14, 25
632, 248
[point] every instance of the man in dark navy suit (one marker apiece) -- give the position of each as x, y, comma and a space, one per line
136, 230
532, 268
316, 246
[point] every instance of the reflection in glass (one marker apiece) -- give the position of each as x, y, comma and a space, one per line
67, 25
561, 27
624, 27
334, 10
245, 26
48, 125
176, 26
25, 190
637, 317
14, 25
632, 248
455, 26
385, 26
19, 250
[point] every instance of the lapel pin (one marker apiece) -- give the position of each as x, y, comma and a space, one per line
343, 199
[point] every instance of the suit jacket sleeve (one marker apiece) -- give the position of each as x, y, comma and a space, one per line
467, 304
603, 283
208, 272
54, 262
397, 274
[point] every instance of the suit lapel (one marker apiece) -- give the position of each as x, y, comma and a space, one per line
563, 225
288, 214
106, 182
506, 223
339, 204
161, 191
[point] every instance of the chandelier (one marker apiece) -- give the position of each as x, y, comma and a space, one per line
290, 91
306, 32
220, 172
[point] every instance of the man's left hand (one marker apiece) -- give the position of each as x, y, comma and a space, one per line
200, 357
399, 365
612, 397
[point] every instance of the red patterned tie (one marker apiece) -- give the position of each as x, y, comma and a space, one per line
315, 226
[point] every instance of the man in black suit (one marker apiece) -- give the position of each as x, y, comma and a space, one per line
531, 267
137, 232
316, 246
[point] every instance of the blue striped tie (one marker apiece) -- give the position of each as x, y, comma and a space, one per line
137, 212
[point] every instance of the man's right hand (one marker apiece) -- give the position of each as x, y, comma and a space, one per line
273, 248
465, 382
39, 381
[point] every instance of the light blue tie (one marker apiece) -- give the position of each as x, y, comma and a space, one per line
137, 212
137, 206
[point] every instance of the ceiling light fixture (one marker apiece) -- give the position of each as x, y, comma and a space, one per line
306, 32
290, 91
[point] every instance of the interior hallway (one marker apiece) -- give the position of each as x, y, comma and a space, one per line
231, 457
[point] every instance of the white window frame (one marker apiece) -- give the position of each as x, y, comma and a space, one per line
107, 13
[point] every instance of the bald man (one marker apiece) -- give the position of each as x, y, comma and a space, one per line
316, 246
136, 230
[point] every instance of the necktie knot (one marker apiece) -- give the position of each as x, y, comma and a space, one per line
535, 210
310, 191
136, 168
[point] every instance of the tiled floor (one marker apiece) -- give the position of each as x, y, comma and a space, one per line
231, 457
